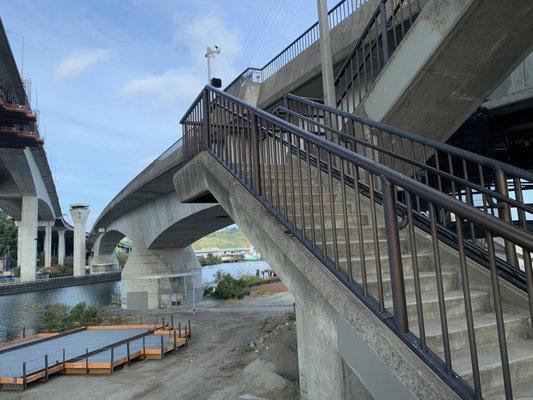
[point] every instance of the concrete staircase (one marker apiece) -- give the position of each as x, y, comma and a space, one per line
425, 312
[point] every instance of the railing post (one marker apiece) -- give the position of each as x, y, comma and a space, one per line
384, 35
256, 172
86, 361
205, 124
24, 376
505, 213
112, 361
395, 256
46, 367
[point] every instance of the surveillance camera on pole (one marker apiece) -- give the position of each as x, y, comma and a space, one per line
211, 53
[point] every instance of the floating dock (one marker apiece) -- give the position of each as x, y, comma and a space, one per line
88, 350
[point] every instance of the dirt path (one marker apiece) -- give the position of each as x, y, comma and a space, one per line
209, 369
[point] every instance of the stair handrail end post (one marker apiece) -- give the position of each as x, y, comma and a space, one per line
395, 256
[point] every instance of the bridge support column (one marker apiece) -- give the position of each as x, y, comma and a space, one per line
27, 238
160, 278
61, 246
79, 213
48, 244
318, 358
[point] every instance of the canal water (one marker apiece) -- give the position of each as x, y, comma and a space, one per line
235, 269
18, 310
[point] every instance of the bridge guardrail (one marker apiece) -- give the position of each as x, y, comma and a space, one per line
336, 15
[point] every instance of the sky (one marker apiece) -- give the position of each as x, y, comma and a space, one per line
110, 79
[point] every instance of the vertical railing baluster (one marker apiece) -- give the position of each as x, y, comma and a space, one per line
500, 323
416, 274
440, 288
468, 306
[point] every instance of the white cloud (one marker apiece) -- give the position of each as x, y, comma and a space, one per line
79, 62
195, 35
179, 86
167, 90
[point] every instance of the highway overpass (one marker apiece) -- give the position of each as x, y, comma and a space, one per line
27, 190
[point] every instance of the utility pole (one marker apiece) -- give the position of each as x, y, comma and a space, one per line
326, 60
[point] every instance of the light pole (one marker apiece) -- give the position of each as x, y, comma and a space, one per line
22, 52
209, 54
325, 54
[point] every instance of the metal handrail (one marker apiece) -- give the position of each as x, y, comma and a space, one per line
256, 147
338, 13
369, 136
492, 224
383, 33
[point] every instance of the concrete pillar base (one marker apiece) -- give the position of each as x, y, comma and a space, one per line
104, 263
155, 279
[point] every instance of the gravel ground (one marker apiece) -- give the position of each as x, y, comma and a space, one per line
211, 368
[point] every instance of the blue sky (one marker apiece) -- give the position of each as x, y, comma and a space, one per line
111, 78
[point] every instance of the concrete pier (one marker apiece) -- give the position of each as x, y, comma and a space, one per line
61, 246
27, 238
79, 213
48, 244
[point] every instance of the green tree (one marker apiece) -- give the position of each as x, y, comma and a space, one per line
8, 236
122, 258
211, 259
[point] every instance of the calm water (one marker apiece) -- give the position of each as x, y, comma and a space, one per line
235, 269
17, 311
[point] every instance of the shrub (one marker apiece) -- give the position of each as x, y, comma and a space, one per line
60, 317
228, 287
61, 270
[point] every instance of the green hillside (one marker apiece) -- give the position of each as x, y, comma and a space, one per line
223, 240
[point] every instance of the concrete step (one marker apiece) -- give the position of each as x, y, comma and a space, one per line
328, 220
516, 327
453, 300
368, 246
326, 205
352, 233
520, 353
428, 283
425, 263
